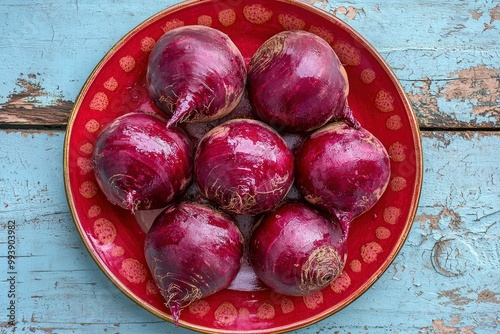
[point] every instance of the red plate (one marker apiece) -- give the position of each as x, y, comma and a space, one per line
115, 241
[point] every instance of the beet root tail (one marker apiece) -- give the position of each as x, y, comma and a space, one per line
182, 113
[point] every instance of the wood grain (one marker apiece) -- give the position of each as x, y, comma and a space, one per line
444, 280
447, 63
446, 55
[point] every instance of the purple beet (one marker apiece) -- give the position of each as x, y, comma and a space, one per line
244, 166
297, 250
196, 74
297, 83
139, 164
193, 251
342, 170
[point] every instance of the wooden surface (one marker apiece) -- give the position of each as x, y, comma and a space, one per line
446, 279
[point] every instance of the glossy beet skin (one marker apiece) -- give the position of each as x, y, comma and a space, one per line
192, 251
244, 166
196, 74
296, 250
297, 83
342, 170
139, 164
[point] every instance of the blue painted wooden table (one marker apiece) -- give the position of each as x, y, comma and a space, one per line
446, 279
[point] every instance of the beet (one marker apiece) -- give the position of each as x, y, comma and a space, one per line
297, 83
297, 250
192, 251
196, 74
141, 165
342, 170
243, 166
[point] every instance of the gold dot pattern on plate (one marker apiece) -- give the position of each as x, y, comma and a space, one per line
313, 300
88, 189
384, 101
87, 148
266, 311
370, 251
243, 314
397, 152
290, 22
111, 84
105, 231
84, 165
199, 308
398, 183
92, 126
227, 17
175, 23
341, 283
204, 20
368, 75
355, 265
382, 233
147, 44
286, 305
323, 33
94, 211
151, 287
99, 102
127, 63
391, 214
226, 314
394, 123
133, 271
257, 14
117, 251
348, 54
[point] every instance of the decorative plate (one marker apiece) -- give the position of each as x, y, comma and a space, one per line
115, 240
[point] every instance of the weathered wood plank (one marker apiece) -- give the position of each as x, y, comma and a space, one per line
446, 54
445, 279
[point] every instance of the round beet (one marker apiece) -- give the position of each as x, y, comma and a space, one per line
296, 250
141, 165
192, 251
297, 83
244, 166
342, 170
195, 73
